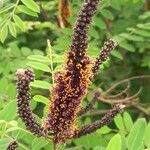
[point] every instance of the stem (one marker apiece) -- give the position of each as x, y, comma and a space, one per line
124, 81
15, 7
51, 60
4, 129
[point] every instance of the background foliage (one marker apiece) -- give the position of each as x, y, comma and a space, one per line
25, 26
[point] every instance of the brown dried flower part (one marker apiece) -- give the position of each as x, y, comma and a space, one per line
24, 77
100, 123
105, 52
72, 83
64, 13
12, 146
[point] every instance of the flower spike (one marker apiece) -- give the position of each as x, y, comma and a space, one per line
24, 77
106, 49
72, 83
79, 37
100, 123
12, 146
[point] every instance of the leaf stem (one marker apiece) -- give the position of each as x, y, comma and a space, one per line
50, 55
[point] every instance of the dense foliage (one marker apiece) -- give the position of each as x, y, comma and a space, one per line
26, 26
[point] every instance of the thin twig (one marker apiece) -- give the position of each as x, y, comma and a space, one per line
124, 81
112, 101
142, 109
95, 113
121, 93
50, 55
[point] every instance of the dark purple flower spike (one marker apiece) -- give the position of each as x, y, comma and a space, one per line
72, 83
24, 77
12, 146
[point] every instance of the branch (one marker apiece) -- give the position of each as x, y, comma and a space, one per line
95, 113
114, 101
124, 81
142, 109
121, 93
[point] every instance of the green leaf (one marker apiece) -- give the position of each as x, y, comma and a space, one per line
4, 143
93, 32
2, 121
135, 138
13, 123
58, 58
11, 114
145, 15
132, 37
26, 51
41, 84
116, 4
31, 5
3, 33
67, 31
58, 68
105, 3
147, 136
145, 26
89, 141
19, 22
14, 49
12, 28
115, 143
42, 99
93, 50
39, 143
12, 129
123, 141
135, 1
106, 13
27, 10
117, 54
39, 58
119, 122
39, 66
6, 8
124, 44
99, 22
99, 148
104, 130
143, 33
127, 121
